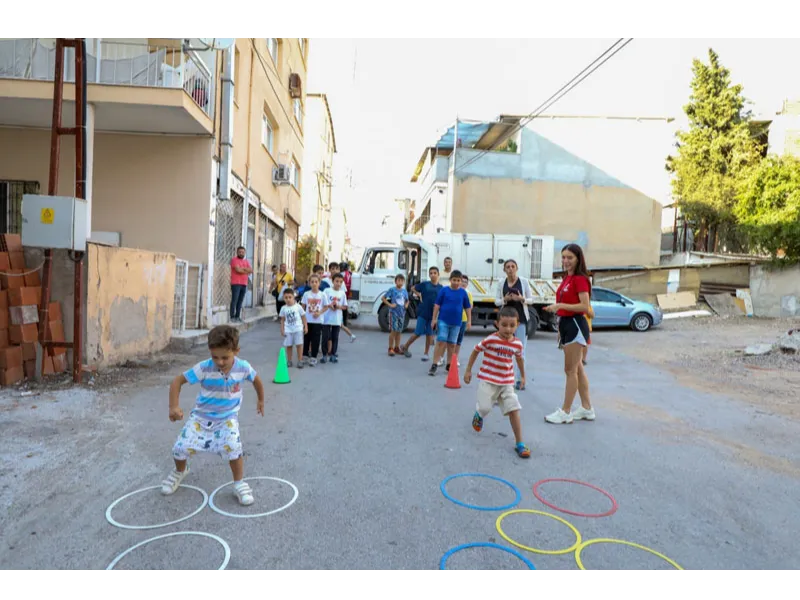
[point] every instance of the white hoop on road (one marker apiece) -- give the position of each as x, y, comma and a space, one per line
111, 520
166, 535
215, 508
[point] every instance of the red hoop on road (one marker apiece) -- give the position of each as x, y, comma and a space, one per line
614, 505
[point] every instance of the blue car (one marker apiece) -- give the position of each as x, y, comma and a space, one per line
612, 309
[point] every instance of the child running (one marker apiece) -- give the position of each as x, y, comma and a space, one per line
313, 302
497, 376
213, 425
427, 291
396, 299
450, 304
335, 304
293, 326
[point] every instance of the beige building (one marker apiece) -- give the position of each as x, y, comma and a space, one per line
533, 186
320, 147
191, 151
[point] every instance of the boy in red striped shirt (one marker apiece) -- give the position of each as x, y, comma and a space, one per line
497, 375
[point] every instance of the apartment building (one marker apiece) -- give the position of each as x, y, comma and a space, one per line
318, 177
192, 150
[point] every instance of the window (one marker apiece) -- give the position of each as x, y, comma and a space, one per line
384, 261
298, 111
295, 174
599, 295
267, 133
272, 48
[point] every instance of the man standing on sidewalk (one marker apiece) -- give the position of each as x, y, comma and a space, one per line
240, 272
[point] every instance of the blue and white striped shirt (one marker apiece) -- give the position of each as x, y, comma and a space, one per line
220, 395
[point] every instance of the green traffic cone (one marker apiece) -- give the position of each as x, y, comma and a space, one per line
282, 369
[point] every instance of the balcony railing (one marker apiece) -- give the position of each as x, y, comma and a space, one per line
113, 63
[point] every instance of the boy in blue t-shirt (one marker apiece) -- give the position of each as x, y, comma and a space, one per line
447, 314
396, 299
427, 291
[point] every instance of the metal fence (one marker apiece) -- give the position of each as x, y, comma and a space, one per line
11, 193
187, 296
114, 63
227, 237
179, 296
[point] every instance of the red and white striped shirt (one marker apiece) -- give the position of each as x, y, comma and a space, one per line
497, 366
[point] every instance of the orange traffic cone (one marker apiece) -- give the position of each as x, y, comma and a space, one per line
453, 380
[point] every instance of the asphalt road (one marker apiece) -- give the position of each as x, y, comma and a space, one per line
710, 482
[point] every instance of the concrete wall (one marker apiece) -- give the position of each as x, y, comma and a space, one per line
129, 302
546, 190
646, 285
153, 190
775, 293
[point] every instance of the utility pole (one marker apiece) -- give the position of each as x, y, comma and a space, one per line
79, 131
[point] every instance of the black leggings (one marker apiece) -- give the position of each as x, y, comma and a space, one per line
312, 340
330, 332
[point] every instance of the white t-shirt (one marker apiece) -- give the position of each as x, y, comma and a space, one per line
314, 303
329, 281
294, 318
332, 316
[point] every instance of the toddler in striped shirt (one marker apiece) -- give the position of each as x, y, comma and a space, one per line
496, 375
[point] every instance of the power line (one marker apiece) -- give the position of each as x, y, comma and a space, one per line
554, 98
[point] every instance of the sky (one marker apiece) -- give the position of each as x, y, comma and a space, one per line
391, 98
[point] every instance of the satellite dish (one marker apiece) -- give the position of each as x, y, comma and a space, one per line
217, 43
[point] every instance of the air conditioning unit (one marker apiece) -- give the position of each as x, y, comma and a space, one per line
281, 175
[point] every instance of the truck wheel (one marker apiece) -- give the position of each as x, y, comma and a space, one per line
533, 325
383, 318
405, 322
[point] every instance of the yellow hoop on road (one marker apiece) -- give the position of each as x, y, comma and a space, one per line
572, 548
587, 543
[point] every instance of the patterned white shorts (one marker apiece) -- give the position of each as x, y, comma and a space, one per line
216, 437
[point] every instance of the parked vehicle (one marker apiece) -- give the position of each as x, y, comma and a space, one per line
612, 309
481, 256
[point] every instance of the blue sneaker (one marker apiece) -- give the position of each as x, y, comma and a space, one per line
323, 360
477, 422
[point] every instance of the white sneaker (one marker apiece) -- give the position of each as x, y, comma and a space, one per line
352, 338
559, 417
441, 362
170, 485
244, 493
425, 358
582, 413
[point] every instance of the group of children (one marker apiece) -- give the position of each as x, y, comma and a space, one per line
316, 320
447, 310
313, 318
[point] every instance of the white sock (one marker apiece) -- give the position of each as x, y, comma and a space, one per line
237, 482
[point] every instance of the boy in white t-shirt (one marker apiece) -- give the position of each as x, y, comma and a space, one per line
293, 326
335, 304
314, 303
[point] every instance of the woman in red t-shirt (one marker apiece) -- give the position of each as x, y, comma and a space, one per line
573, 302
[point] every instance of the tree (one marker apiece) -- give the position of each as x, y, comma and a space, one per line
713, 154
768, 206
306, 256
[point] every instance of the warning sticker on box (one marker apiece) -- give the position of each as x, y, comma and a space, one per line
48, 214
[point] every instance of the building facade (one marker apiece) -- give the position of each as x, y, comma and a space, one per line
191, 151
531, 185
320, 147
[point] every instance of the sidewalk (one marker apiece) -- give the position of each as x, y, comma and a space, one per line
184, 341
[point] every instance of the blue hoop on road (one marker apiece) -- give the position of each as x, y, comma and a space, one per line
452, 551
475, 506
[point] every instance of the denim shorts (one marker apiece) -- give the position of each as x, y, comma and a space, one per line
423, 327
461, 333
447, 333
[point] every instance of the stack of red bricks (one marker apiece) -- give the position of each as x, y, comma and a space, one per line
20, 297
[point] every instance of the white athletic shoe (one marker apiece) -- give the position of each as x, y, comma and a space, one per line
559, 417
244, 493
352, 338
173, 480
582, 413
425, 358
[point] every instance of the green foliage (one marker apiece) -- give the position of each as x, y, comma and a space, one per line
510, 146
306, 255
715, 152
768, 207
